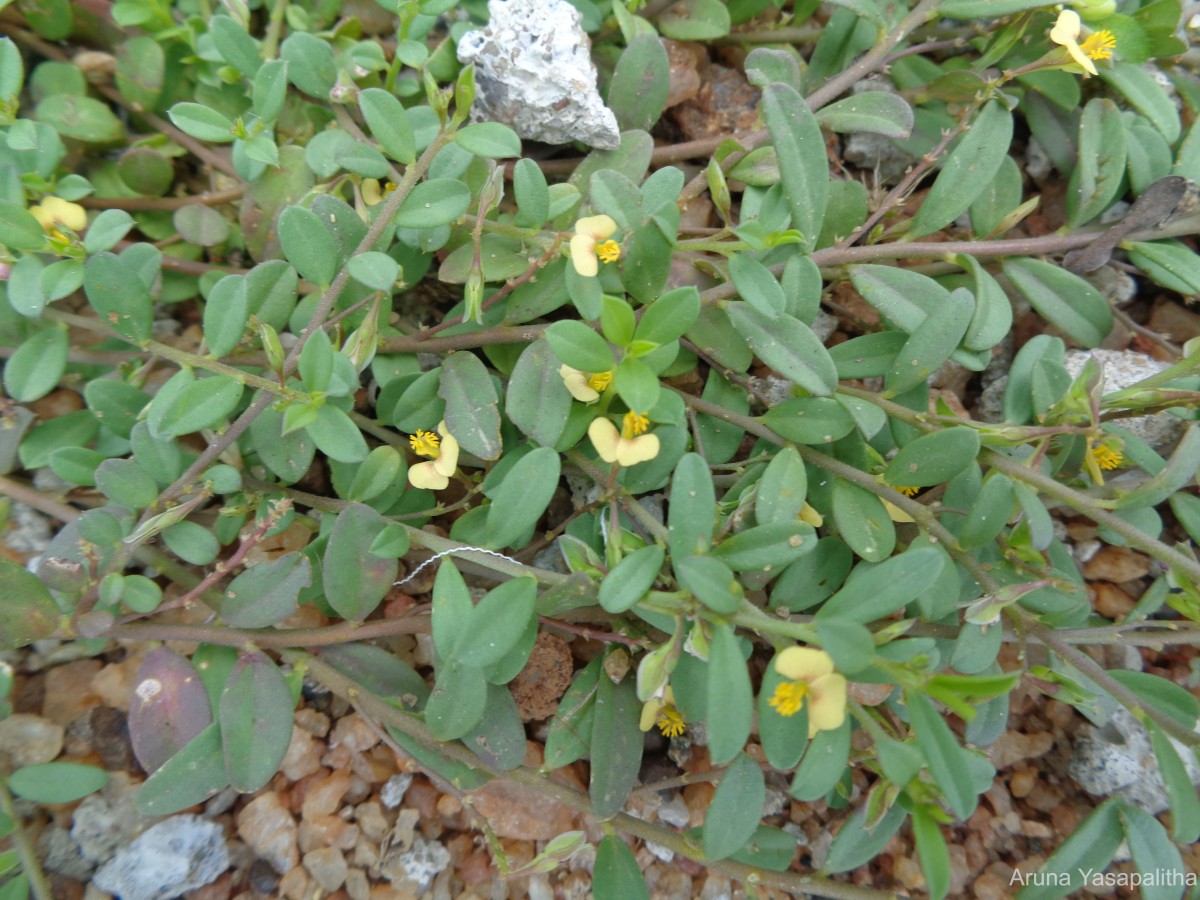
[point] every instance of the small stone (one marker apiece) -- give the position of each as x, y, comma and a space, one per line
357, 885
29, 740
327, 831
1014, 746
395, 788
1176, 322
1111, 602
1117, 564
354, 733
67, 695
371, 821
515, 811
98, 828
1022, 783
177, 855
60, 854
538, 687
303, 756
685, 59
534, 72
323, 797
725, 104
294, 885
327, 866
1122, 369
419, 864
314, 722
263, 877
267, 826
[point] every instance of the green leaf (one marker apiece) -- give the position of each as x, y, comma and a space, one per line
712, 583
615, 874
873, 593
19, 229
522, 497
307, 244
124, 481
947, 760
736, 808
580, 347
631, 579
1090, 847
933, 458
984, 9
695, 20
375, 270
766, 548
569, 733
1157, 859
336, 435
378, 671
636, 384
862, 521
225, 315
202, 404
903, 297
856, 844
380, 470
355, 579
1096, 179
81, 118
201, 122
29, 612
871, 112
931, 343
233, 42
537, 401
756, 285
389, 124
472, 406
121, 298
1169, 263
438, 201
266, 594
255, 715
311, 66
1063, 299
107, 229
967, 171
730, 710
638, 90
931, 849
616, 746
496, 624
1185, 806
56, 782
669, 317
810, 420
1146, 95
201, 225
189, 777
457, 702
822, 768
36, 367
533, 196
1178, 472
788, 346
489, 139
803, 164
692, 509
287, 456
782, 489
191, 542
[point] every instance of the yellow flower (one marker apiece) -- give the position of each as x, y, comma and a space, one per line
624, 447
591, 244
811, 516
585, 386
809, 676
1099, 456
1098, 45
663, 712
435, 474
54, 213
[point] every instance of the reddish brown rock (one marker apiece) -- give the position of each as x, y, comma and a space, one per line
514, 811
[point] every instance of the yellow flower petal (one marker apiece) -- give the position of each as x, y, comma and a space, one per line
54, 212
826, 704
577, 384
895, 513
426, 475
803, 664
605, 438
583, 255
811, 516
1066, 33
598, 228
447, 460
631, 451
650, 711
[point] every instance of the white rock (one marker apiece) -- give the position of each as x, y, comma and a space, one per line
534, 72
1122, 369
177, 855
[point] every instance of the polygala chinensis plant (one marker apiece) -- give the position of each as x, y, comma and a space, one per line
293, 305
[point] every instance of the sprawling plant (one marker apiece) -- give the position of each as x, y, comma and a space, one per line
220, 237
